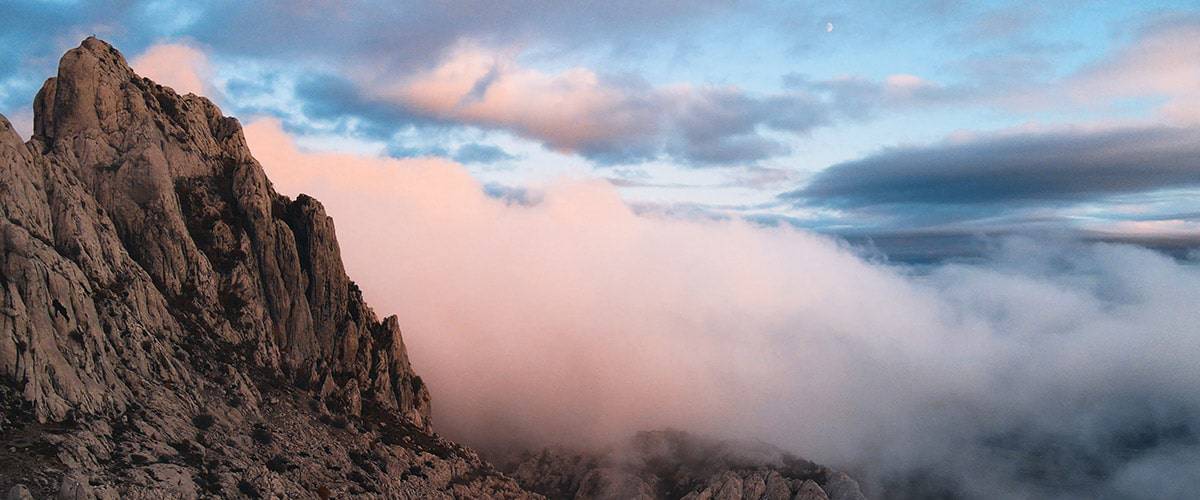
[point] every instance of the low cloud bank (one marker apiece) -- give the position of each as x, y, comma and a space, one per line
1056, 369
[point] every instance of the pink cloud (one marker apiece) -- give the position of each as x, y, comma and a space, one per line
1164, 60
569, 110
181, 67
580, 111
22, 122
575, 320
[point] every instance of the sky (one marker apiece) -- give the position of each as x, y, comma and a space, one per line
881, 123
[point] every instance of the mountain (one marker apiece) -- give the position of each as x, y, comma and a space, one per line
170, 326
170, 323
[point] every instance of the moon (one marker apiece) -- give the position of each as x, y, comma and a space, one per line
829, 27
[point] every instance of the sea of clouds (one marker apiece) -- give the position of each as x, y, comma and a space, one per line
1052, 368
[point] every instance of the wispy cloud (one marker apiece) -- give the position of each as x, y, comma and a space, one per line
1162, 61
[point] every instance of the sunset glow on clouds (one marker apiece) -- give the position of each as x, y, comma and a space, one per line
181, 67
935, 237
609, 120
649, 108
568, 319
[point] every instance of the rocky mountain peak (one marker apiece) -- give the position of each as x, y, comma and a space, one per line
151, 275
195, 213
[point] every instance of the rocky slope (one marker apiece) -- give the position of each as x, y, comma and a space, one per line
170, 326
674, 464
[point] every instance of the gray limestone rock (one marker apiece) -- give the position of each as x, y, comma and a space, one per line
810, 491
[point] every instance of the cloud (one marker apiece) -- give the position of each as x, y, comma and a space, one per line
326, 98
606, 119
1019, 168
1162, 60
861, 98
181, 67
335, 38
406, 38
399, 151
466, 154
22, 123
1054, 368
481, 153
1159, 62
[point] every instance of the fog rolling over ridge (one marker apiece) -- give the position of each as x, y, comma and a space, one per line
1052, 368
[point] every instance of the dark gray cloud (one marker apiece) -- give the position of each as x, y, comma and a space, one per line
332, 99
710, 127
936, 247
722, 126
1027, 168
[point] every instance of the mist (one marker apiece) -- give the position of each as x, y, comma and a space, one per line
1053, 368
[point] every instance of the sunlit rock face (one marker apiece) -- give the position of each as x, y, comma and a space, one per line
172, 325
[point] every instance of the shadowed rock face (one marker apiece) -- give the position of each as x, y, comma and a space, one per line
169, 323
170, 326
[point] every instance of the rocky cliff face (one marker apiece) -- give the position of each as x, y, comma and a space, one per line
170, 323
170, 326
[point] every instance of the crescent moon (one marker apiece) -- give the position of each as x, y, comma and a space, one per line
829, 27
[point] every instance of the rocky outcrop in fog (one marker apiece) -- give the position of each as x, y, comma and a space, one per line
674, 464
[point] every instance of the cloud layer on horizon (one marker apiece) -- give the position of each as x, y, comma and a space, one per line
1015, 169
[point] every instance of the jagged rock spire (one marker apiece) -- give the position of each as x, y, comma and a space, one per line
138, 187
155, 289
